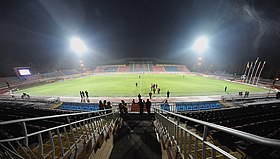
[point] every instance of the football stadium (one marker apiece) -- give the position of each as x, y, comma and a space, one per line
124, 94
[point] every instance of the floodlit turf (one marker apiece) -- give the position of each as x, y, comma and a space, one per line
124, 85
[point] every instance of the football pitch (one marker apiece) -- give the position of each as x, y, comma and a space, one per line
124, 85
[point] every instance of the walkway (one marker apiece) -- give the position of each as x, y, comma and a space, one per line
136, 139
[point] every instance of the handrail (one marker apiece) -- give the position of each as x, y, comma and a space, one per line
53, 116
52, 128
241, 134
86, 129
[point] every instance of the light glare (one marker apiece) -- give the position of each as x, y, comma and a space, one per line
78, 45
200, 45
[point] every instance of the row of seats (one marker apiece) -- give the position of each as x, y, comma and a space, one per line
181, 107
91, 107
171, 69
262, 120
142, 68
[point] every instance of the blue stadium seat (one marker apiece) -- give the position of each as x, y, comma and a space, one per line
195, 107
213, 106
207, 106
218, 105
165, 107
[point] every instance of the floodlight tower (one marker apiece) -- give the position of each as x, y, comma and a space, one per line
200, 45
79, 47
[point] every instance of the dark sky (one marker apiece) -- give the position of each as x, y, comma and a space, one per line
37, 33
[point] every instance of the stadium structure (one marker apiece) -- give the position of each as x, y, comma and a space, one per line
227, 126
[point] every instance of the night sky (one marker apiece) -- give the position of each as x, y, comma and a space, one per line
37, 33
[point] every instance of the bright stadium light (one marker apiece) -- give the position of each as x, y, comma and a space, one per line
78, 45
200, 44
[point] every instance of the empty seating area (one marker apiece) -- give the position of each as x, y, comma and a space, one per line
53, 74
157, 68
12, 111
150, 67
262, 120
124, 68
183, 68
70, 72
138, 67
197, 106
141, 67
79, 107
171, 69
51, 136
99, 69
111, 69
3, 85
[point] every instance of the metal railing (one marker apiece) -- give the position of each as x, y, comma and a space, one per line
187, 137
65, 138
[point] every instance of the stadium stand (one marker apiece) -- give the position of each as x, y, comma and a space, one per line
157, 68
111, 69
150, 67
99, 69
131, 67
194, 133
183, 68
262, 120
124, 68
53, 74
142, 65
44, 133
70, 72
171, 68
3, 84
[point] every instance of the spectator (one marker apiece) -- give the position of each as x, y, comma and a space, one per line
81, 96
141, 105
25, 96
100, 105
167, 94
133, 101
109, 107
139, 96
148, 106
104, 105
87, 99
150, 94
86, 92
121, 109
158, 90
125, 107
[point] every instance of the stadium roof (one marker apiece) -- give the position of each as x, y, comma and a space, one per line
36, 33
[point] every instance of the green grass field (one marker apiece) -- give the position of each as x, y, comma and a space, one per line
124, 85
